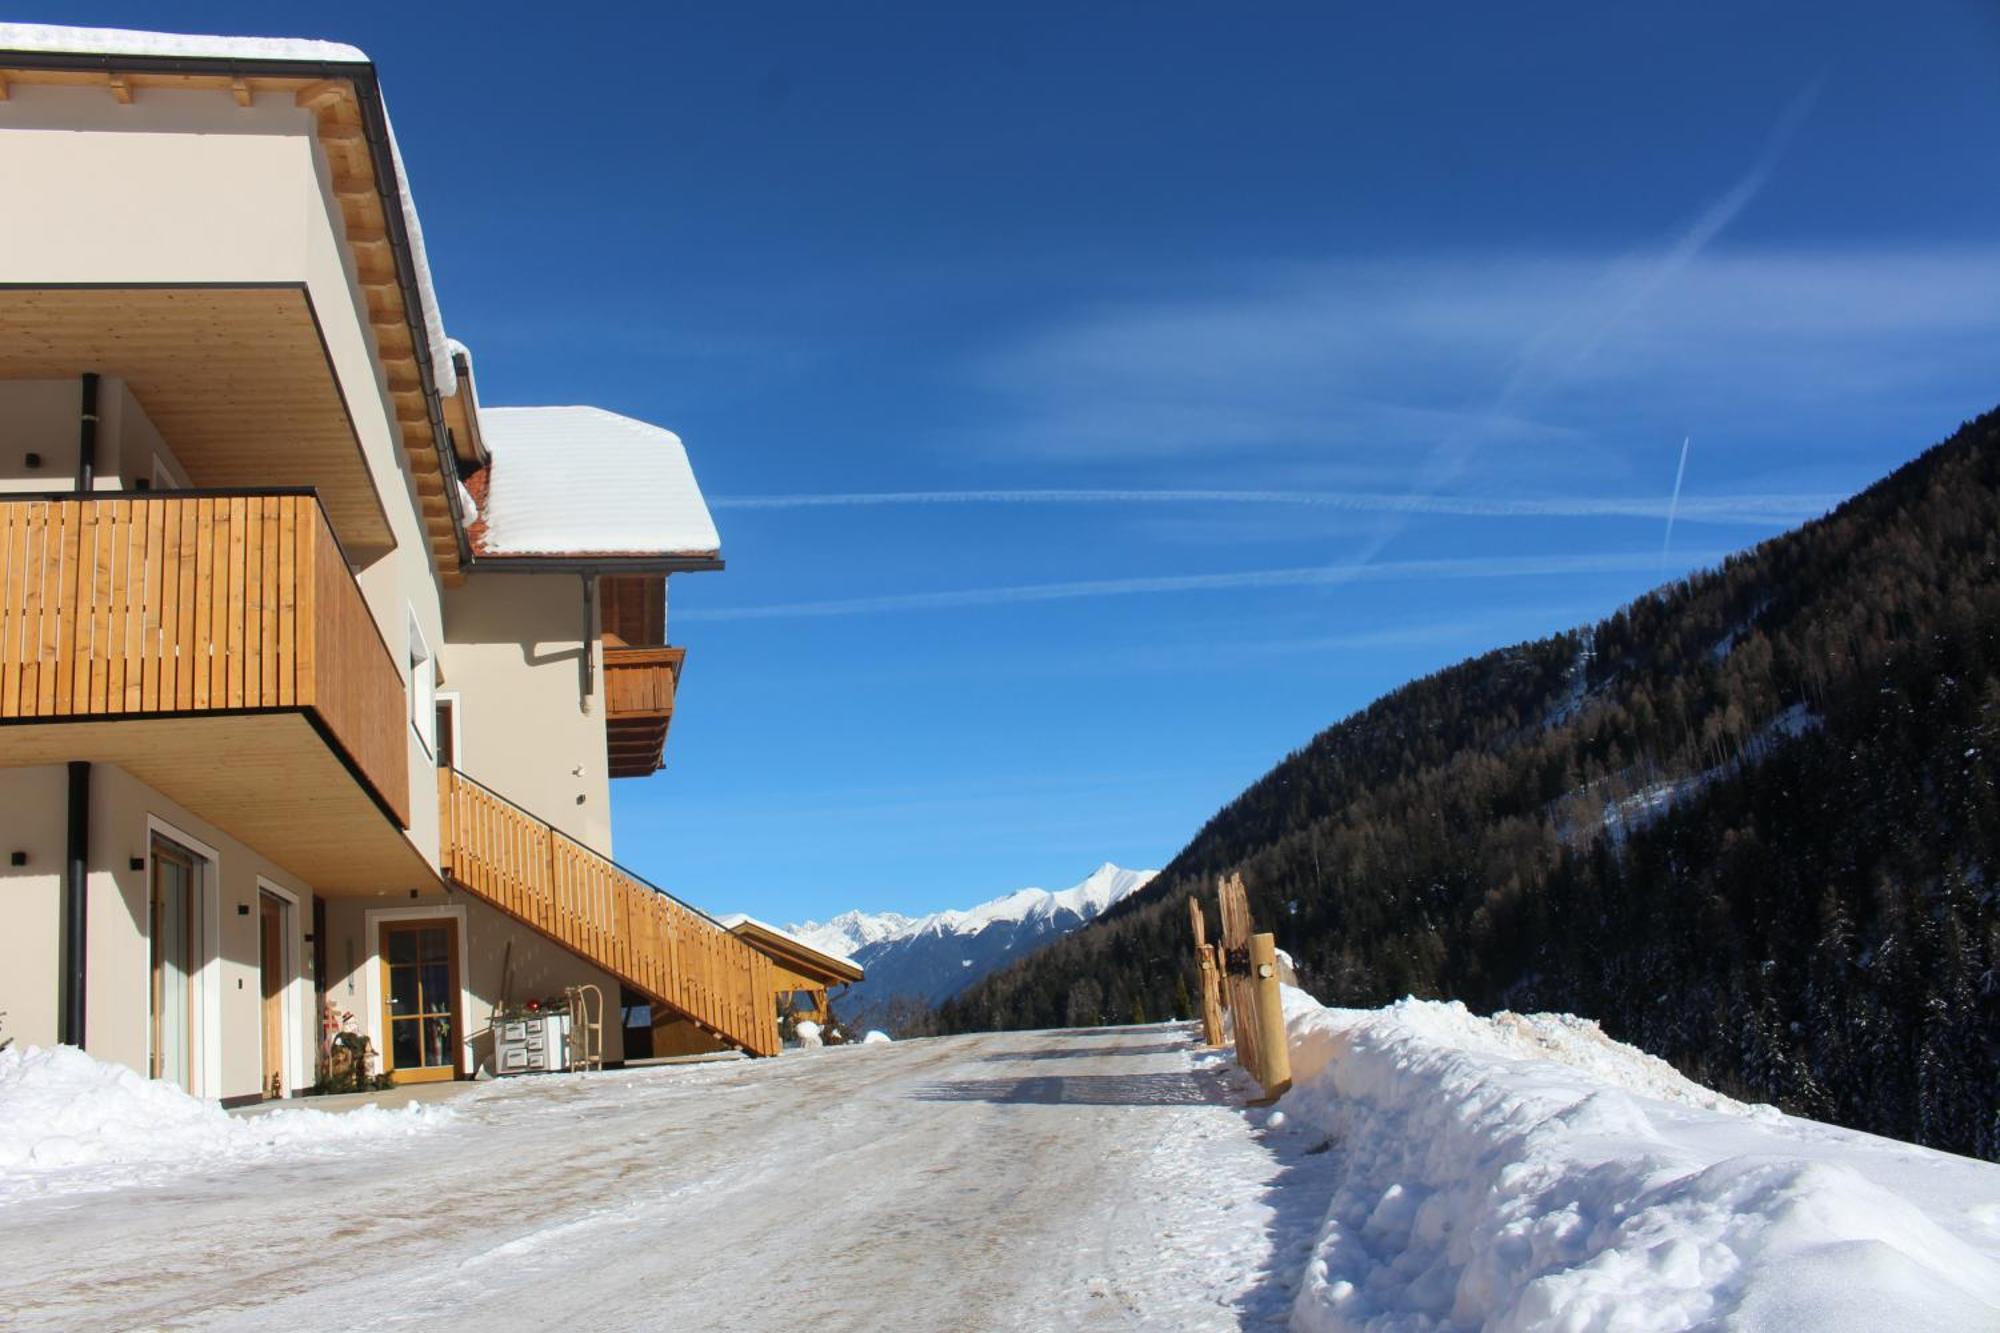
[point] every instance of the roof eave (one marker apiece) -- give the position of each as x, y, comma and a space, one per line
583, 562
375, 127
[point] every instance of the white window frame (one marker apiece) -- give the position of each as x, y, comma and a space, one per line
457, 702
423, 688
208, 977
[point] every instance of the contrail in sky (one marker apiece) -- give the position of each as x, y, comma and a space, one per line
1715, 509
1540, 365
1673, 505
1308, 576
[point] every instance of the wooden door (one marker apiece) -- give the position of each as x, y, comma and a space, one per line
420, 1009
271, 966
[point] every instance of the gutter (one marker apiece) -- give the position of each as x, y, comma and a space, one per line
590, 566
388, 185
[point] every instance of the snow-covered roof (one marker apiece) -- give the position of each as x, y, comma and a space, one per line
736, 919
53, 38
568, 481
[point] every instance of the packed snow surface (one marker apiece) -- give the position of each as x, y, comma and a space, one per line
70, 1123
1007, 1181
581, 480
1522, 1172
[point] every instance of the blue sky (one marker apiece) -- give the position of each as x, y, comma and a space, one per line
1444, 287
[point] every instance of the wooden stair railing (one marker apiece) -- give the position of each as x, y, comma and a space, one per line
677, 956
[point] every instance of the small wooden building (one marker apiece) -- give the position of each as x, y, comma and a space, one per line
802, 976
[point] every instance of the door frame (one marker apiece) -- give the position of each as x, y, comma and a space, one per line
371, 928
297, 1054
205, 1061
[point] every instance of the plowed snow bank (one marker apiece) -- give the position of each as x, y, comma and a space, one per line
69, 1122
1529, 1172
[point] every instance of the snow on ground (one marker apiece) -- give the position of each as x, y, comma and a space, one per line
1098, 1179
1529, 1172
1430, 1170
69, 1123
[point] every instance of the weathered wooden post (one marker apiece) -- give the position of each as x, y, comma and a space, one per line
1235, 905
1256, 1004
1211, 980
1277, 1057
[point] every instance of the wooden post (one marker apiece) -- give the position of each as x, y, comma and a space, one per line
1211, 978
1276, 1075
1235, 905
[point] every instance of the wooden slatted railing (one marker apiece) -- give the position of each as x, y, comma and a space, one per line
593, 906
641, 681
130, 604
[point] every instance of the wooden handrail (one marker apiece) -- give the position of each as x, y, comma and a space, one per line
677, 955
129, 604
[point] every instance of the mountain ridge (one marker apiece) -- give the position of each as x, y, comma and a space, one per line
926, 960
1750, 822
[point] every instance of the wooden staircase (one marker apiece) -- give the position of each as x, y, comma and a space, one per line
680, 958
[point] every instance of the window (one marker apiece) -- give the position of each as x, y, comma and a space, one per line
423, 688
447, 730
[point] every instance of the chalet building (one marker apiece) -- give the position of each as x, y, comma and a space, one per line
314, 672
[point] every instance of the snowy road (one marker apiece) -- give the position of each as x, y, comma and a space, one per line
1104, 1178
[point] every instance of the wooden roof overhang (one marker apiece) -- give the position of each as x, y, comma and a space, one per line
796, 958
353, 130
270, 778
236, 378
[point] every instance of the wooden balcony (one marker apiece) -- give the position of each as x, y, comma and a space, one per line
639, 685
215, 646
588, 903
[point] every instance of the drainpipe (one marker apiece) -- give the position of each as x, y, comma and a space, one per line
76, 901
86, 444
589, 632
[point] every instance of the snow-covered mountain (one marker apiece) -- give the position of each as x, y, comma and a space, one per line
934, 957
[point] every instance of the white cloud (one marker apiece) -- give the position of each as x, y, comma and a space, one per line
1751, 509
1511, 567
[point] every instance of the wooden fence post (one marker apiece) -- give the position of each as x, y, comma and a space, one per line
1256, 1006
1277, 1057
1211, 980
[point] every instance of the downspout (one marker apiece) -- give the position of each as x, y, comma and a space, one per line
86, 442
75, 913
73, 979
589, 636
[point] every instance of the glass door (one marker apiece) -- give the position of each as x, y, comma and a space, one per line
420, 999
173, 923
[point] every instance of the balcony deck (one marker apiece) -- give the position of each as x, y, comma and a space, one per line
216, 647
639, 686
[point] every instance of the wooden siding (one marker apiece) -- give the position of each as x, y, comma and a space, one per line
129, 604
634, 610
591, 905
639, 685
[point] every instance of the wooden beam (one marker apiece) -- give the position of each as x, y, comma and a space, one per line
3, 87
323, 93
121, 90
241, 89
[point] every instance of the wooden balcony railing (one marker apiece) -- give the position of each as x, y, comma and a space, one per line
138, 604
652, 942
639, 685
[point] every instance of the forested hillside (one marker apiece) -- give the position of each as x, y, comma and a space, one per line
1749, 823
